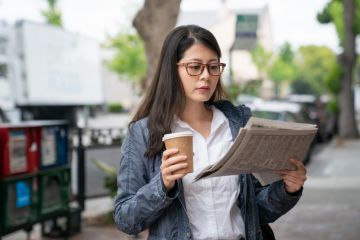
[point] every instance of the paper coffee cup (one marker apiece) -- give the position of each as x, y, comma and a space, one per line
184, 142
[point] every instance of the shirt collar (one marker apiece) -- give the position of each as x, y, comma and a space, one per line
217, 120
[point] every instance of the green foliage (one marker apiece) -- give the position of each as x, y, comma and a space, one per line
111, 176
283, 69
333, 85
332, 81
129, 59
333, 105
233, 91
115, 108
299, 86
250, 88
315, 63
325, 16
334, 13
53, 15
357, 71
286, 53
261, 58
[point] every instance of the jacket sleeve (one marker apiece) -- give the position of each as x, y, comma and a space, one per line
140, 200
273, 201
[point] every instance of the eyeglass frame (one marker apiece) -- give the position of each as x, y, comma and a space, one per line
203, 65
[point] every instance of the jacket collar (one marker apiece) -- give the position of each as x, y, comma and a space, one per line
233, 114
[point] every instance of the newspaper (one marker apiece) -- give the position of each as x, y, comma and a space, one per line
262, 148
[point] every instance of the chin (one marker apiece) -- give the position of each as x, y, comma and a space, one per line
201, 99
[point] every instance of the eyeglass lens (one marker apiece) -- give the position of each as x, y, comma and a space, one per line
197, 68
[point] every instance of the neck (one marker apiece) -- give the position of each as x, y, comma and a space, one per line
196, 111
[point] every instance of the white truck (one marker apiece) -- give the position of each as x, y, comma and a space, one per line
49, 73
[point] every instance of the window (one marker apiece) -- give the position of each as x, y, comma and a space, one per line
3, 46
3, 71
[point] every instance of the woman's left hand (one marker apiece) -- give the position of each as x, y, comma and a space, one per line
294, 179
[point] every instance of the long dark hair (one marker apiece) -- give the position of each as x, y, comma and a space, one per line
165, 96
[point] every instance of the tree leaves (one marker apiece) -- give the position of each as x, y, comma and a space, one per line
129, 58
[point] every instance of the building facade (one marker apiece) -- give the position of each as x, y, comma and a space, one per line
238, 28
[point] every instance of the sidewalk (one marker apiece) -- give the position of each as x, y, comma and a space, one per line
330, 206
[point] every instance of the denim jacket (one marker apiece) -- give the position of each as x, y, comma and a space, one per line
143, 203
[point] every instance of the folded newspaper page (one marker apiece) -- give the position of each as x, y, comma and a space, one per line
262, 148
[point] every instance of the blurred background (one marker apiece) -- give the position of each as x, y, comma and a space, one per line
89, 62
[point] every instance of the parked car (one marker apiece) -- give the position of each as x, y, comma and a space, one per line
3, 118
278, 110
247, 99
314, 111
283, 111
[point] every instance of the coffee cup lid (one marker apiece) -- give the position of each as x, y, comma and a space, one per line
176, 135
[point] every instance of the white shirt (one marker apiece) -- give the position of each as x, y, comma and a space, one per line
211, 203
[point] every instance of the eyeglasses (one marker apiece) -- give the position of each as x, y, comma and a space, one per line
196, 69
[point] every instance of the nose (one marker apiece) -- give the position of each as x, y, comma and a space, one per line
205, 74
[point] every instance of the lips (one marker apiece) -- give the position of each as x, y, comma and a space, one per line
204, 88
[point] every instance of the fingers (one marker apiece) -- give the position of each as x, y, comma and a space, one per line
171, 163
173, 160
291, 186
169, 152
297, 163
300, 168
175, 177
169, 169
294, 179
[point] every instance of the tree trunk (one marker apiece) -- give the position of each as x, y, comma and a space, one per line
347, 121
153, 22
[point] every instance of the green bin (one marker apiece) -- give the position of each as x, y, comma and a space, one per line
54, 190
19, 201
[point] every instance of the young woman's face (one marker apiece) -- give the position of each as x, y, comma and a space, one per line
198, 88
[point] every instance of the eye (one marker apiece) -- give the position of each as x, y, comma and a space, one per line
215, 67
194, 66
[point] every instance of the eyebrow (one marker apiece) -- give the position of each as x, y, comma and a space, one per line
200, 60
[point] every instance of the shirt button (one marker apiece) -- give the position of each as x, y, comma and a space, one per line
188, 234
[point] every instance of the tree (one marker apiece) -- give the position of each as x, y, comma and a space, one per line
346, 17
129, 58
53, 14
314, 64
261, 58
153, 22
283, 69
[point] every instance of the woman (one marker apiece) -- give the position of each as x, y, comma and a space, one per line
186, 94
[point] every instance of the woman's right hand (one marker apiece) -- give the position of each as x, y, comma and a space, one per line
169, 165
